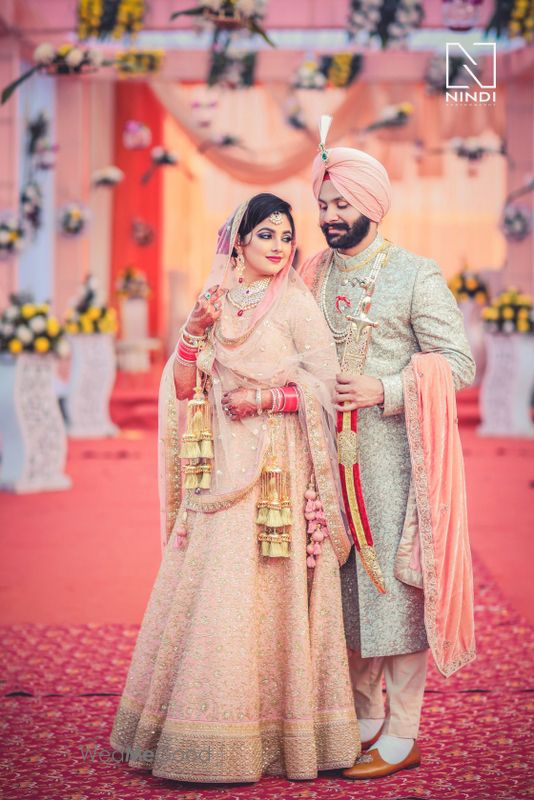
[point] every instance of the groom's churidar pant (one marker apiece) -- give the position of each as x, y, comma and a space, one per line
405, 684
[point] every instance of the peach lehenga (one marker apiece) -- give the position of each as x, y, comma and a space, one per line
240, 666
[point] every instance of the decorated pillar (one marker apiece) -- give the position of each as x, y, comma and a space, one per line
519, 268
9, 156
72, 184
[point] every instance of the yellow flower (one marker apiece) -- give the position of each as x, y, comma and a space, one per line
93, 312
524, 299
405, 108
490, 313
522, 325
480, 297
41, 344
471, 283
71, 327
64, 49
523, 313
86, 325
52, 326
508, 313
15, 346
28, 310
43, 308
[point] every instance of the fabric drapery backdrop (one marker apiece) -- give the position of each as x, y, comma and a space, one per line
135, 101
438, 209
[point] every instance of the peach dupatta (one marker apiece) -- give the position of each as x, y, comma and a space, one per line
442, 545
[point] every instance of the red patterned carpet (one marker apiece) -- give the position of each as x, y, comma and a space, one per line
60, 689
94, 558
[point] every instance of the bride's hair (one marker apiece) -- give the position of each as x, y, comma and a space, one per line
259, 208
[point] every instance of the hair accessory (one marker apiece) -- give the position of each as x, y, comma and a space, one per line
324, 127
276, 217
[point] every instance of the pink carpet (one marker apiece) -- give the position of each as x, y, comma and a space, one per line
77, 570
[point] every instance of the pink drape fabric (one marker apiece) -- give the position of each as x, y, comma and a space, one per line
439, 482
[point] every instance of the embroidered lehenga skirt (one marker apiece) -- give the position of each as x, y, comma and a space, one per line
240, 666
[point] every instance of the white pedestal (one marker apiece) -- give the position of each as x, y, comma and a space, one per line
89, 388
34, 442
133, 350
474, 329
506, 391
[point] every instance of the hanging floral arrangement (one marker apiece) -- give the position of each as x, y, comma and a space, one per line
232, 69
222, 140
73, 219
474, 151
138, 62
510, 312
142, 232
136, 135
467, 285
513, 18
160, 158
338, 70
31, 205
108, 176
30, 328
12, 237
392, 117
109, 18
391, 21
461, 15
64, 60
89, 315
228, 16
516, 222
132, 284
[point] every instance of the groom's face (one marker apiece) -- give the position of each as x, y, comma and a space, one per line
342, 224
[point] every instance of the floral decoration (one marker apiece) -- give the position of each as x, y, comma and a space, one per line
73, 219
391, 21
26, 326
132, 284
109, 18
467, 285
89, 316
510, 312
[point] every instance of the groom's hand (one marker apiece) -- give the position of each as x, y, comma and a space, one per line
357, 391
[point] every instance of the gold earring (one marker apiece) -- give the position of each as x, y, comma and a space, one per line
240, 267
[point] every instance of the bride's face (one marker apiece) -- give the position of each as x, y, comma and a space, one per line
266, 249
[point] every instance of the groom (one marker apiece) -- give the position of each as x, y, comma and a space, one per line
414, 313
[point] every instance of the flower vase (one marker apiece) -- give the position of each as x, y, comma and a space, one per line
507, 386
474, 329
134, 346
89, 387
32, 431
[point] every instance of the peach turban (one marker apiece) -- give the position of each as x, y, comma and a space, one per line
358, 177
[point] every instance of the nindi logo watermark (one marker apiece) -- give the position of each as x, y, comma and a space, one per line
456, 92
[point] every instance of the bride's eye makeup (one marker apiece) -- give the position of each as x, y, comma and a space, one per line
266, 234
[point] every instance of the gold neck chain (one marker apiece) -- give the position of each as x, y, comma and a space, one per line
360, 264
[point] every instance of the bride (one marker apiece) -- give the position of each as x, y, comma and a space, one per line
240, 666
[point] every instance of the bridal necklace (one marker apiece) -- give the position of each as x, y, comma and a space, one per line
245, 297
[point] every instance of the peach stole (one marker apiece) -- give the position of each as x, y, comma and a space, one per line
434, 552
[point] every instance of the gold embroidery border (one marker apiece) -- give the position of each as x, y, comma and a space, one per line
426, 533
171, 446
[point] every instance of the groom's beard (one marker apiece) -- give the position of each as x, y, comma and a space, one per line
346, 236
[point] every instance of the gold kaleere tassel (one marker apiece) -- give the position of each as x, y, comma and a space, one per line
197, 441
273, 508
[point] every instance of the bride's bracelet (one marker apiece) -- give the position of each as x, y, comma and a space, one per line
285, 399
192, 339
185, 353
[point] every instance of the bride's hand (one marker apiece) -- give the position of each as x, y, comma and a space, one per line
207, 310
239, 403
